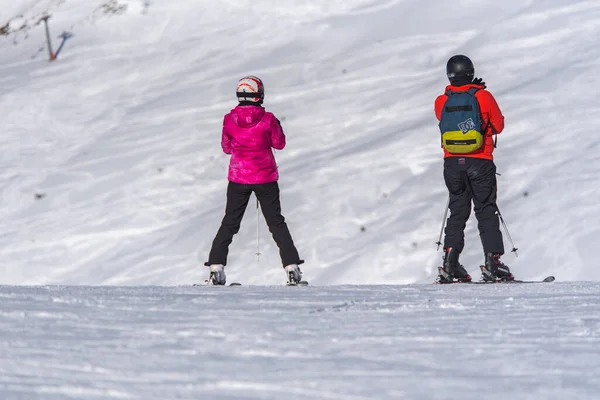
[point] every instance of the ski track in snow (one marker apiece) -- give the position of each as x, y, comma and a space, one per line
537, 341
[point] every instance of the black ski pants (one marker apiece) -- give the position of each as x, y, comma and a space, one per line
472, 180
238, 196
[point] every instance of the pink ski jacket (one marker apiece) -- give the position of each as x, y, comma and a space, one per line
249, 133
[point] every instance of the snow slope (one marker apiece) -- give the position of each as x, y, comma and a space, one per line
470, 342
120, 136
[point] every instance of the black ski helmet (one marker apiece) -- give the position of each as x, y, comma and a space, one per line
460, 69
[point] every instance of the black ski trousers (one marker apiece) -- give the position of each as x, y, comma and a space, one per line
472, 179
238, 196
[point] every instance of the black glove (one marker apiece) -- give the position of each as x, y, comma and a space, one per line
479, 81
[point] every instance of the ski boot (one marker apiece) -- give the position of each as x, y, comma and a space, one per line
452, 269
294, 274
217, 275
495, 270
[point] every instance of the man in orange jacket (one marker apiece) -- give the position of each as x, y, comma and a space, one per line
471, 176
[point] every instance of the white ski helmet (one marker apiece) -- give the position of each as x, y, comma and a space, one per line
250, 84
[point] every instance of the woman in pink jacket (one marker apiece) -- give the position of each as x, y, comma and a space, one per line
249, 133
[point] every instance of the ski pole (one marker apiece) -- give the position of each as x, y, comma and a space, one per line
257, 232
439, 242
514, 249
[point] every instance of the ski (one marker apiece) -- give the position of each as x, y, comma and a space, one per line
548, 279
231, 284
301, 283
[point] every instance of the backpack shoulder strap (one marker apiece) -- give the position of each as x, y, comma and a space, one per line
449, 92
472, 92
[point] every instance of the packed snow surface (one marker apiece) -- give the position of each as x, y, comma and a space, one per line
526, 342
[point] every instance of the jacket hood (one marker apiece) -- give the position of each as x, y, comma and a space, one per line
247, 116
463, 88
